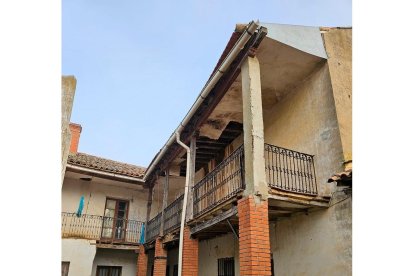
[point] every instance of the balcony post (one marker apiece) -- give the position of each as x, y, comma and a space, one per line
191, 176
255, 176
164, 200
149, 203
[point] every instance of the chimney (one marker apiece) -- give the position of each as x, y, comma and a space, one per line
75, 131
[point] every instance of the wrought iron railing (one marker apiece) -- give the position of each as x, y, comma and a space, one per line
153, 228
172, 214
224, 182
100, 228
290, 170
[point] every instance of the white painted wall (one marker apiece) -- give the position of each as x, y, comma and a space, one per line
115, 257
316, 244
80, 253
210, 250
96, 192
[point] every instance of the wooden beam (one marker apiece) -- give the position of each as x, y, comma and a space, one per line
193, 149
164, 199
219, 218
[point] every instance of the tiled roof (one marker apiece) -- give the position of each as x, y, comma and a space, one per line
105, 165
343, 176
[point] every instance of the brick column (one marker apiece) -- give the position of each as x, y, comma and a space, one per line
254, 241
160, 259
142, 262
190, 254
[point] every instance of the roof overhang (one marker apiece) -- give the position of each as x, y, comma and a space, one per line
104, 175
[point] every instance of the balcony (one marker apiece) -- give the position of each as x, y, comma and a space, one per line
221, 184
286, 170
172, 220
100, 228
172, 214
290, 171
153, 228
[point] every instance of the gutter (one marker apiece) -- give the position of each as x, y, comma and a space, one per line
249, 31
108, 174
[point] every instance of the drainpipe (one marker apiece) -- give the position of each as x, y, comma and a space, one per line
187, 180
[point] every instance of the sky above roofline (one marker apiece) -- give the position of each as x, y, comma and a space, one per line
140, 65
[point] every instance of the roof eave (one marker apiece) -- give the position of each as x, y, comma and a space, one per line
105, 175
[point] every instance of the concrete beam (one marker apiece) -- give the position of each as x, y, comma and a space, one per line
255, 177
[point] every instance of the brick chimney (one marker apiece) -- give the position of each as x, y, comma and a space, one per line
75, 131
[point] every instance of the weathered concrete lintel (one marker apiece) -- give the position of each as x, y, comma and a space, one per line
305, 202
219, 218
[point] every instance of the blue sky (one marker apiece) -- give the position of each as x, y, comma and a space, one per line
141, 64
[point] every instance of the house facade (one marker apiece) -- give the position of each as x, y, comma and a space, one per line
257, 178
103, 214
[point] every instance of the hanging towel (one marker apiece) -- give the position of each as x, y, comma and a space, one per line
79, 212
142, 237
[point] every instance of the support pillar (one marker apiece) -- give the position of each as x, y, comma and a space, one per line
191, 175
255, 175
142, 262
164, 200
190, 254
160, 259
254, 240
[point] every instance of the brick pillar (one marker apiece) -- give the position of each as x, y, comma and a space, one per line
190, 254
142, 262
254, 241
160, 259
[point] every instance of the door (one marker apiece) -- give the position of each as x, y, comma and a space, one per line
115, 220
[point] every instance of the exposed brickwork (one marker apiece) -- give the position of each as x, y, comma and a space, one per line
75, 131
160, 259
190, 254
142, 262
254, 241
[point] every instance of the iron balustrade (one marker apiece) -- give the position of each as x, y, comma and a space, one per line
100, 228
172, 214
221, 184
290, 170
153, 228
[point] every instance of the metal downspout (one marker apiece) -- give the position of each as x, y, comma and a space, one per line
187, 180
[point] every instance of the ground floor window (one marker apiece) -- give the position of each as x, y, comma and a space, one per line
109, 270
65, 268
226, 267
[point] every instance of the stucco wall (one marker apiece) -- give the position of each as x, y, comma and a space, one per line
112, 257
80, 253
305, 120
96, 192
338, 44
211, 250
316, 244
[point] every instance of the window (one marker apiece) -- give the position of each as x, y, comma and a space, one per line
115, 217
65, 268
226, 267
109, 270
